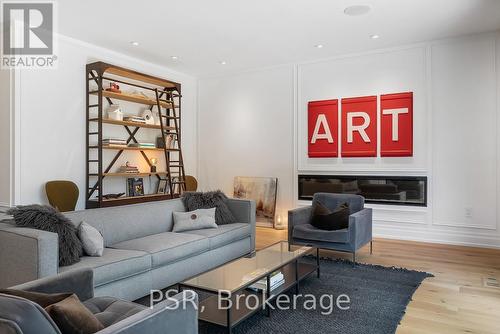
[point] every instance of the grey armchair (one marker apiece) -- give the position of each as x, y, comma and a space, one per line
351, 239
21, 316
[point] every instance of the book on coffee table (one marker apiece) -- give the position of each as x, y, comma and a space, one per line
276, 279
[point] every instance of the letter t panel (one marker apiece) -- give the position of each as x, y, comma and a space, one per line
359, 127
396, 120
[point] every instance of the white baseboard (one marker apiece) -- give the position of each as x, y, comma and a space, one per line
438, 237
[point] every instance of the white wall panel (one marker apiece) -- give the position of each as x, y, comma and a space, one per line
464, 132
377, 73
245, 129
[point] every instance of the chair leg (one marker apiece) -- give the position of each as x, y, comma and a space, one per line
353, 258
371, 247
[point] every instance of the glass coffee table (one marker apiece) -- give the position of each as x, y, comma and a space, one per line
229, 286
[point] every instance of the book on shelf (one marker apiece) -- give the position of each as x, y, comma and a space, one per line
113, 141
136, 119
149, 145
135, 187
128, 170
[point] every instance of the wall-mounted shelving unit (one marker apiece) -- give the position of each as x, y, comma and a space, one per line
167, 101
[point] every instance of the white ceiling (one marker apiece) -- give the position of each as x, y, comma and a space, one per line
259, 33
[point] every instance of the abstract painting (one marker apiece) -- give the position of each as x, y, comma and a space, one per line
263, 191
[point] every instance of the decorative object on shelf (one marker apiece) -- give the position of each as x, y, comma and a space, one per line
135, 186
147, 115
139, 94
162, 186
153, 161
169, 140
113, 87
129, 169
263, 191
114, 112
156, 116
168, 143
113, 196
160, 143
136, 119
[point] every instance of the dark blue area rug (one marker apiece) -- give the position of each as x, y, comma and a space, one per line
378, 295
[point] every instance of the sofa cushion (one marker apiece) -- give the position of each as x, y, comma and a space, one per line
114, 264
224, 234
309, 232
167, 247
110, 310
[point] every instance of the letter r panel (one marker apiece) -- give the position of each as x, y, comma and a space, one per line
403, 147
322, 148
358, 147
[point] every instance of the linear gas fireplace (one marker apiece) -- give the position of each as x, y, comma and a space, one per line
396, 190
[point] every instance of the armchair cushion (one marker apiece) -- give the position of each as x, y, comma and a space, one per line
72, 317
332, 201
309, 232
111, 310
325, 219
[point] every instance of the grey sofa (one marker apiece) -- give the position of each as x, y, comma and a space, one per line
358, 234
177, 314
141, 251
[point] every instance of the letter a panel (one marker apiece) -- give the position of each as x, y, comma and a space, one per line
359, 127
396, 119
323, 129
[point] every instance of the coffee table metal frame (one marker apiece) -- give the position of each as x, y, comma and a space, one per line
294, 271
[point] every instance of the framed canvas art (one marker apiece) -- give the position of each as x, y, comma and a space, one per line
263, 191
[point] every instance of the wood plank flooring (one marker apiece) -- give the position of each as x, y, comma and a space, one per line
454, 301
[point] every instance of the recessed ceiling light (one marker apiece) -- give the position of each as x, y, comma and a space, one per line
319, 46
174, 57
222, 62
357, 10
374, 36
134, 43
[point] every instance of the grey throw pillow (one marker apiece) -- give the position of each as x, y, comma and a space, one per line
92, 240
211, 199
194, 220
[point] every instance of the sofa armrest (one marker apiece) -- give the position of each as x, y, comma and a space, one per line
26, 254
176, 315
77, 281
244, 212
297, 217
360, 227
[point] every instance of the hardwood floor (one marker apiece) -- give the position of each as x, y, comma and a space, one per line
454, 301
